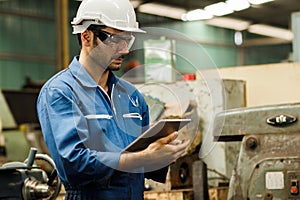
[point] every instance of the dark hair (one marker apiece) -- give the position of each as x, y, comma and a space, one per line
79, 39
91, 27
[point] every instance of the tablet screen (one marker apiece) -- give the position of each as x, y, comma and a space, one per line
160, 129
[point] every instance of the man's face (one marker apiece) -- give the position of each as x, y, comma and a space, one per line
119, 41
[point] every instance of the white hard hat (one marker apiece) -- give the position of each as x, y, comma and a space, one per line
118, 14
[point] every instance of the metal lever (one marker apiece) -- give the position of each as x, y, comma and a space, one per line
31, 156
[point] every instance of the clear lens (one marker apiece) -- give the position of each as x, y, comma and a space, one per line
120, 40
115, 40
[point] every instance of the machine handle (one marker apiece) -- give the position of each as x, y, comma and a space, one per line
31, 156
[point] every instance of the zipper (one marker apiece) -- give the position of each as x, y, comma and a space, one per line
112, 101
110, 98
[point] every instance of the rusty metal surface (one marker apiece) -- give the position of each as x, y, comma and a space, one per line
216, 155
253, 120
269, 151
200, 183
261, 154
179, 93
181, 172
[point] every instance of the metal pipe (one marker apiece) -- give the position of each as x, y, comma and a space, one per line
22, 57
24, 14
296, 40
65, 33
62, 39
58, 35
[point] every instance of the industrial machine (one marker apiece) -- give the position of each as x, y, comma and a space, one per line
33, 179
193, 100
268, 165
184, 99
27, 177
20, 128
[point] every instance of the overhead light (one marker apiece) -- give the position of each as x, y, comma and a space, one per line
197, 14
162, 10
238, 38
271, 31
219, 9
227, 22
257, 2
238, 5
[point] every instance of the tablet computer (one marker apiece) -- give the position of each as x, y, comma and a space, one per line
160, 129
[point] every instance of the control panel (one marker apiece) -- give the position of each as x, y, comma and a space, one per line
293, 178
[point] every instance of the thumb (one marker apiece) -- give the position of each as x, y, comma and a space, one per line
169, 138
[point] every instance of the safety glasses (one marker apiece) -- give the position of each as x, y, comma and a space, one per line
115, 40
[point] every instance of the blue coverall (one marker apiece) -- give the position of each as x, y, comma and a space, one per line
85, 130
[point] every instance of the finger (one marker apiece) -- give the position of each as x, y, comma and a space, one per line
185, 143
169, 138
175, 142
182, 147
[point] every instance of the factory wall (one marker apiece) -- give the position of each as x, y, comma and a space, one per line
267, 54
28, 43
267, 84
219, 44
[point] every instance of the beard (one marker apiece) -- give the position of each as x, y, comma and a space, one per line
116, 64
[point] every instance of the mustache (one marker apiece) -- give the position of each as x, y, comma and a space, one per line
119, 56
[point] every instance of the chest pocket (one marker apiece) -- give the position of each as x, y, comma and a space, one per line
130, 119
100, 131
133, 122
98, 122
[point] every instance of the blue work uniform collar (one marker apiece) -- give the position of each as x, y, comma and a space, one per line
114, 80
86, 80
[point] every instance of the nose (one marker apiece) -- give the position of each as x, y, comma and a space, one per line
123, 47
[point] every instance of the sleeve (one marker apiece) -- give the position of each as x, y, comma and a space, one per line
65, 131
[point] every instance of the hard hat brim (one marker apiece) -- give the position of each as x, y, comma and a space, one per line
80, 28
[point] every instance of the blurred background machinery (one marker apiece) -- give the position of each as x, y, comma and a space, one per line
20, 126
268, 165
33, 179
24, 177
196, 176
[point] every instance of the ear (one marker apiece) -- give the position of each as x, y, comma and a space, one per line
86, 38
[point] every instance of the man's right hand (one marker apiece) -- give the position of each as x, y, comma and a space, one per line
157, 155
164, 151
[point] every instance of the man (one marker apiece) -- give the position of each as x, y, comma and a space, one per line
88, 115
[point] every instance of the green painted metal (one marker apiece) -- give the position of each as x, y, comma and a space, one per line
16, 145
7, 120
27, 41
267, 54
